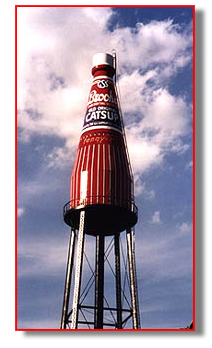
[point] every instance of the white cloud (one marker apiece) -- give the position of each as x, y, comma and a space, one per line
156, 218
45, 256
139, 185
61, 157
185, 228
143, 151
54, 60
163, 120
154, 42
141, 189
189, 165
20, 211
151, 194
41, 257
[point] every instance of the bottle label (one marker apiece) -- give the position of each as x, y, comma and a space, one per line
102, 109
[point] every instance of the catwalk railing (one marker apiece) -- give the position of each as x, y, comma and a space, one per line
107, 200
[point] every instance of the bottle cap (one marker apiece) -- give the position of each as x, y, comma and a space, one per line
103, 59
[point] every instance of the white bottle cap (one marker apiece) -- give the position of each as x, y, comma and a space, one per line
103, 58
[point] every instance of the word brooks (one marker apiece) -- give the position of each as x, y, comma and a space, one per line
96, 97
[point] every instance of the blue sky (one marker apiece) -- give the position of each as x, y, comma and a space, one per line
154, 48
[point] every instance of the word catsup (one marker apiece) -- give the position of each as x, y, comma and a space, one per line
102, 115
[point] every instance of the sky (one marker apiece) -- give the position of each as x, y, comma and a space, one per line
155, 82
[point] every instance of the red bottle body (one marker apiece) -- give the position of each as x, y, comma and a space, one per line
101, 173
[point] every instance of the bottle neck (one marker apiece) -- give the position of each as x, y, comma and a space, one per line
106, 70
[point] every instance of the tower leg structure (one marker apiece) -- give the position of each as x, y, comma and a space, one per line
99, 282
78, 271
133, 278
69, 270
118, 280
100, 305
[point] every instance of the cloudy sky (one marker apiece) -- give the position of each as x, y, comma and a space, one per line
154, 49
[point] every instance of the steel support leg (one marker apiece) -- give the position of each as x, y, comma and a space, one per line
69, 269
118, 280
99, 283
133, 280
78, 272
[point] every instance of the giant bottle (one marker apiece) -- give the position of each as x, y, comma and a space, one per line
101, 181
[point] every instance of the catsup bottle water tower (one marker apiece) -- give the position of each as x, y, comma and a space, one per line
101, 206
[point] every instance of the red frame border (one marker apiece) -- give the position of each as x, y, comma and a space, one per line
16, 7
16, 203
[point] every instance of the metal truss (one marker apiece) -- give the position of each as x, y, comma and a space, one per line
99, 313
